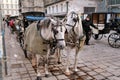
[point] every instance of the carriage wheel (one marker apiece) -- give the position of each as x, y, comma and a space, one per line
97, 36
114, 40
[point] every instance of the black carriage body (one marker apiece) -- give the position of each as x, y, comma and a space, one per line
105, 21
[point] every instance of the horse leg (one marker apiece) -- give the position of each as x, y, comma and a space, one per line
25, 53
82, 41
34, 61
67, 71
38, 71
59, 55
46, 63
76, 59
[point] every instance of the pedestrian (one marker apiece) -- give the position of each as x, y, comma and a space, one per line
7, 21
86, 27
12, 26
25, 22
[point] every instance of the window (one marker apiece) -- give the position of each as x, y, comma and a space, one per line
11, 1
15, 1
101, 18
95, 18
98, 18
111, 2
11, 5
12, 12
56, 8
49, 10
2, 5
2, 12
7, 11
61, 7
16, 6
7, 6
16, 12
52, 9
117, 1
89, 9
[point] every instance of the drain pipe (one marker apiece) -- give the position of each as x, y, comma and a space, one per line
4, 52
3, 42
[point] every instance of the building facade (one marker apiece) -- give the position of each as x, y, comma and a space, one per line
62, 7
9, 7
113, 5
31, 5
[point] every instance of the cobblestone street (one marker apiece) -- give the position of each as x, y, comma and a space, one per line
96, 62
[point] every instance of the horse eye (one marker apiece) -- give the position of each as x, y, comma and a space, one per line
56, 31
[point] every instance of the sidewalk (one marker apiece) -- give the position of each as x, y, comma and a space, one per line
18, 67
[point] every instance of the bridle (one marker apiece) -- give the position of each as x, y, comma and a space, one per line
53, 41
74, 19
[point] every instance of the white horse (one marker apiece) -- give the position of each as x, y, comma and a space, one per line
74, 38
41, 40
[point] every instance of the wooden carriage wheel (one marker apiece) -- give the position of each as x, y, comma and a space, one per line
114, 40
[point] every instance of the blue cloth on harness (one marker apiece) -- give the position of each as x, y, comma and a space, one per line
33, 18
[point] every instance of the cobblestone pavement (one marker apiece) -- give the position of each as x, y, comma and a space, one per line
96, 62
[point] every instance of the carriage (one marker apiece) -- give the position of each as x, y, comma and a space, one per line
105, 21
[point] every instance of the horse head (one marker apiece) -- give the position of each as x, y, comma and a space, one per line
74, 23
53, 29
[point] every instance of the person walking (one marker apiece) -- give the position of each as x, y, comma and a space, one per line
12, 26
86, 27
25, 22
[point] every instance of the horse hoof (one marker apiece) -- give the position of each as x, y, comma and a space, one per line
76, 70
47, 75
67, 73
59, 62
39, 78
26, 57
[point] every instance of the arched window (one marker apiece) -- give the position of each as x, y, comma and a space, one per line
61, 7
57, 8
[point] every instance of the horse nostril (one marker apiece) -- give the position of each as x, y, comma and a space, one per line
61, 47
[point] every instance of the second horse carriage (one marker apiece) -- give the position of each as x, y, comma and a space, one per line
105, 21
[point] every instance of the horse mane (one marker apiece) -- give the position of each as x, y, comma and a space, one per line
46, 22
43, 23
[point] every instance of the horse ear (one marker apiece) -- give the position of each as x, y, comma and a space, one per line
53, 21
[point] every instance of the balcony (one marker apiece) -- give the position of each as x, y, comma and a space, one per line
50, 2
